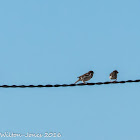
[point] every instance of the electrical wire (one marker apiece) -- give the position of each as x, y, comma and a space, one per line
67, 85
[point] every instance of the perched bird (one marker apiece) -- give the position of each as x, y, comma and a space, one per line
113, 75
85, 77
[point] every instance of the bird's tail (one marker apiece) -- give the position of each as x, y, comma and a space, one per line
77, 81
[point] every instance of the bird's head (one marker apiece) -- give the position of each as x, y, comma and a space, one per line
91, 72
116, 71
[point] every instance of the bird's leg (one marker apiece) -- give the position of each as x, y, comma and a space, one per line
83, 81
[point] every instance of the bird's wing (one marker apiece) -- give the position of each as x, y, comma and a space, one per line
111, 74
86, 74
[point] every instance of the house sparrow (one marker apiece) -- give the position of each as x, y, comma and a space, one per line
85, 77
113, 75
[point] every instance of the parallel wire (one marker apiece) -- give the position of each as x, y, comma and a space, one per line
67, 85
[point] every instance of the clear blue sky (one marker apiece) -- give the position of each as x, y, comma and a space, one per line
53, 42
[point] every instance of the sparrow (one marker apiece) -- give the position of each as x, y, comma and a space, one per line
113, 75
85, 77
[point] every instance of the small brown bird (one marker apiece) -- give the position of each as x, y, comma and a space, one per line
85, 77
113, 75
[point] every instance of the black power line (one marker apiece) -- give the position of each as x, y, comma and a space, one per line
67, 85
